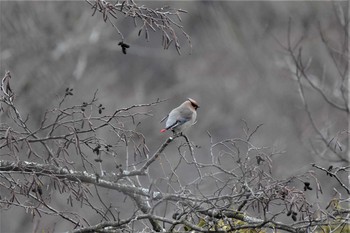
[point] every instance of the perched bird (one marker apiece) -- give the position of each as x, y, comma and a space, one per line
182, 117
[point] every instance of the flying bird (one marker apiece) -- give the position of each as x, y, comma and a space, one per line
182, 117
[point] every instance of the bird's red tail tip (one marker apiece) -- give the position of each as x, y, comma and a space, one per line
162, 130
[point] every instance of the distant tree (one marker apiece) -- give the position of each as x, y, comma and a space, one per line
331, 143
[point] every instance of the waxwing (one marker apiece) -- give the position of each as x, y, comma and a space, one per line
182, 117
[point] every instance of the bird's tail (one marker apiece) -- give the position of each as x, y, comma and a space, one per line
162, 130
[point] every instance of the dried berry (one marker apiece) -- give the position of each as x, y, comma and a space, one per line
99, 160
307, 186
97, 149
123, 46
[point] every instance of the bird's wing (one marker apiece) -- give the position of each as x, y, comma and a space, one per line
177, 118
164, 118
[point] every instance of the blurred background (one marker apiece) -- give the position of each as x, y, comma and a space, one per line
236, 70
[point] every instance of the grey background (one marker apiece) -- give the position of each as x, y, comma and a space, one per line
236, 70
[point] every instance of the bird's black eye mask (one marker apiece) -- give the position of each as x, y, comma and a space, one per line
194, 105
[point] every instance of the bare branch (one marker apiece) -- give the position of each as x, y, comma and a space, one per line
160, 19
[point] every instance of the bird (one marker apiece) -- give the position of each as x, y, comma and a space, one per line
182, 117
